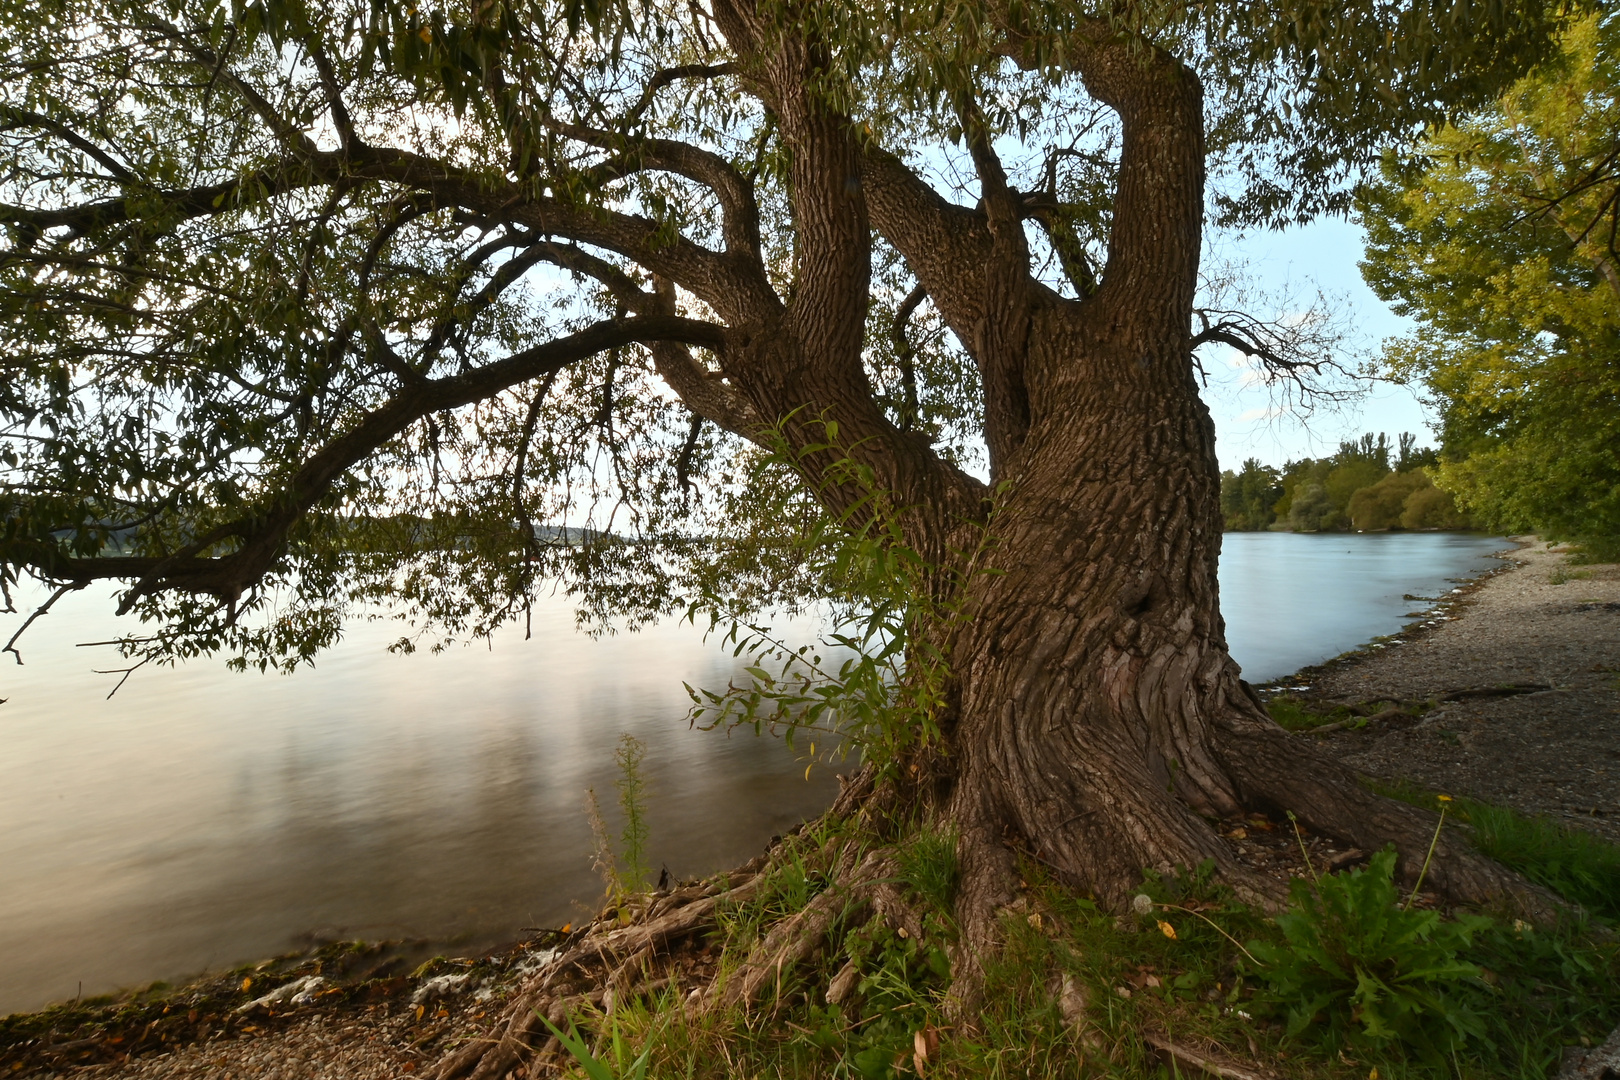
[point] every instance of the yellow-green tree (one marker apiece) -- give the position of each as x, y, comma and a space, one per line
1499, 237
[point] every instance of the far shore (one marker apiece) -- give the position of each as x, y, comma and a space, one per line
1518, 671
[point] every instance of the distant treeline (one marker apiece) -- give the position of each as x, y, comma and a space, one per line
1367, 486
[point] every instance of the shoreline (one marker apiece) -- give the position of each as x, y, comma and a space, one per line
1449, 606
243, 911
1512, 697
366, 1016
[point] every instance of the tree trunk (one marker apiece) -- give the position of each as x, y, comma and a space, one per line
1102, 723
1096, 659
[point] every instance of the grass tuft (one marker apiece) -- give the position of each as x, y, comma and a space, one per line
1582, 868
928, 864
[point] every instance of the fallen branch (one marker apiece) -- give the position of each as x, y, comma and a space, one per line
1210, 1063
1602, 1063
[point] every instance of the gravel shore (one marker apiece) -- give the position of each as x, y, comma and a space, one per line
1544, 628
1529, 658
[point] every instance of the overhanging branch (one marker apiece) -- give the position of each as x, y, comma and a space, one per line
262, 531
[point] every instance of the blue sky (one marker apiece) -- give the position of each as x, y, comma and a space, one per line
1251, 421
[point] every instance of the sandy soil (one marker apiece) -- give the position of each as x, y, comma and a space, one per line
1542, 625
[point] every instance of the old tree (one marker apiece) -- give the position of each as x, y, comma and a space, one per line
314, 305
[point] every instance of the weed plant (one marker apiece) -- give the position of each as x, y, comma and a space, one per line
1371, 970
1514, 995
633, 867
1580, 867
625, 871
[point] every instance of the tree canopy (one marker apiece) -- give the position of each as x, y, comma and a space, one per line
1499, 236
304, 306
309, 304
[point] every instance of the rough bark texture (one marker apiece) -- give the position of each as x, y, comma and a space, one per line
1097, 719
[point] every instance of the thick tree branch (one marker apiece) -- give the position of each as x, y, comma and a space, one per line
906, 354
704, 392
827, 314
734, 286
812, 368
334, 95
263, 532
1151, 271
1047, 212
15, 118
181, 204
633, 154
945, 245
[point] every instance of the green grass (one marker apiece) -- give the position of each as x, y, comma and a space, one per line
1540, 989
1295, 714
1582, 868
1575, 864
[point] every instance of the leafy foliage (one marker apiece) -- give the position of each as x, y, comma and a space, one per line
893, 616
1498, 236
312, 309
1249, 496
1362, 486
1373, 970
928, 863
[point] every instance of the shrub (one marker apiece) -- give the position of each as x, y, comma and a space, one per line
1380, 506
1352, 476
1431, 508
1312, 510
1371, 971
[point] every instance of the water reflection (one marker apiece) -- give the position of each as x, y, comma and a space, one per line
203, 818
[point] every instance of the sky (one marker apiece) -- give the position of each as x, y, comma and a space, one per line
1250, 421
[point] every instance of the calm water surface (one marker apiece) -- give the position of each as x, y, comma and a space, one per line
1294, 599
202, 818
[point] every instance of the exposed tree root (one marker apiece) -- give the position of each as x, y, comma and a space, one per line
1281, 773
605, 962
596, 967
620, 955
797, 937
1205, 1061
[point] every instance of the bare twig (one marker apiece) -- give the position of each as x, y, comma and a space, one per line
126, 672
11, 646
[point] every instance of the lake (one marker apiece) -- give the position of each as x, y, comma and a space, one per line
203, 818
